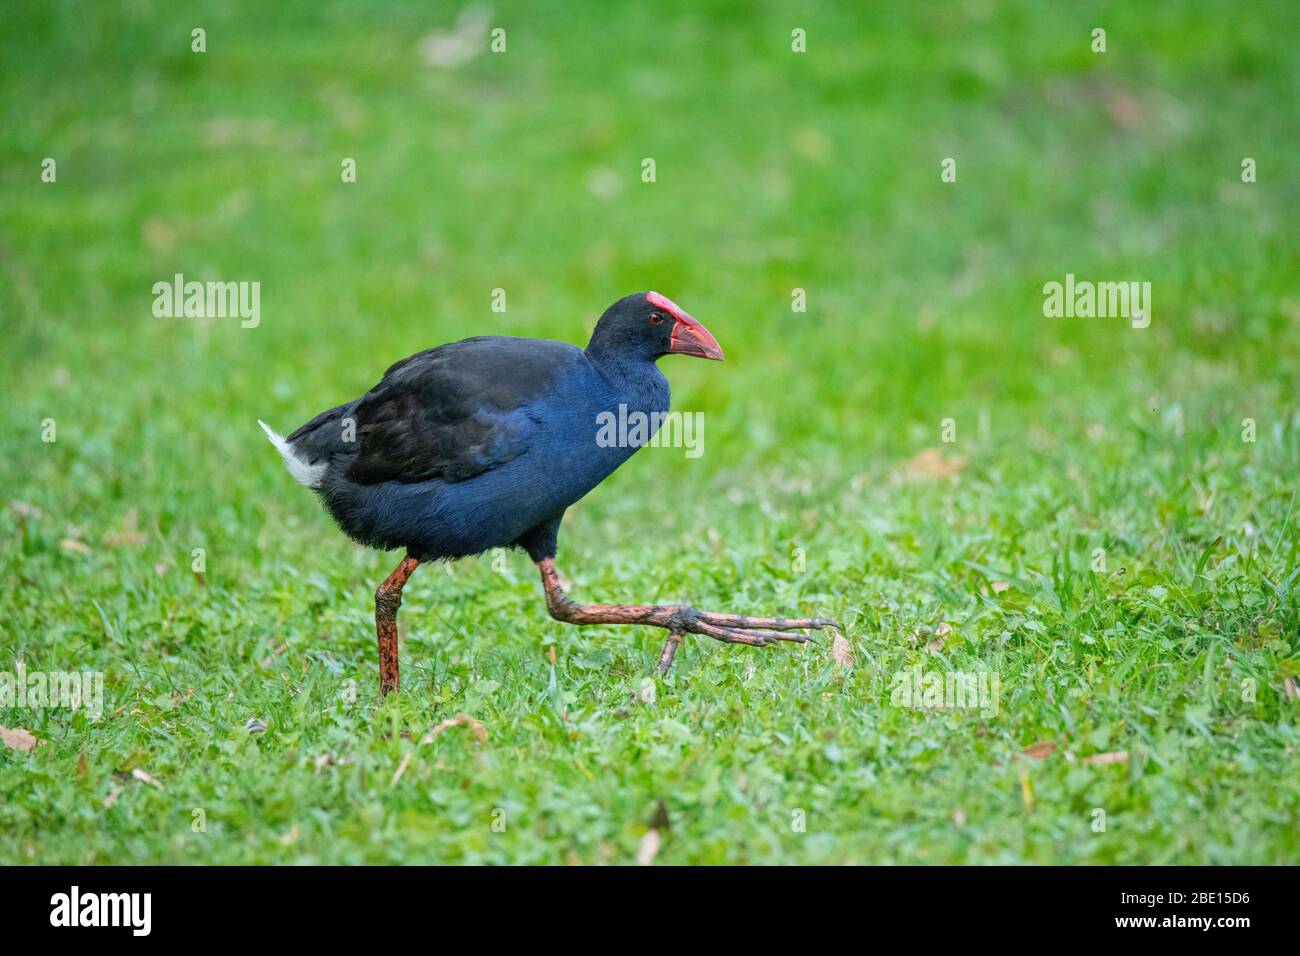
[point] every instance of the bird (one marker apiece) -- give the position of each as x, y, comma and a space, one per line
485, 443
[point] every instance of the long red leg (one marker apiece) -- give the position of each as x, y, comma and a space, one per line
677, 619
387, 600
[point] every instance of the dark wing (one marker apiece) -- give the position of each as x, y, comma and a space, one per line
454, 411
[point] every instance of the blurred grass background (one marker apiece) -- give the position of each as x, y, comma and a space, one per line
775, 171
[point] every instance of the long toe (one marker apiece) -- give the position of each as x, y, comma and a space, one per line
740, 635
770, 623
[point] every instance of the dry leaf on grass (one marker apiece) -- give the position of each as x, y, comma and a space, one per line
144, 777
464, 41
1125, 109
841, 649
129, 535
1026, 792
940, 635
460, 720
401, 769
328, 760
1039, 751
75, 546
18, 738
112, 796
1288, 685
930, 463
1000, 586
649, 848
1114, 756
24, 510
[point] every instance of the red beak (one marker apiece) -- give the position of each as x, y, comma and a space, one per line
689, 337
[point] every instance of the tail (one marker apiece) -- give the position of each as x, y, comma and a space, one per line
303, 471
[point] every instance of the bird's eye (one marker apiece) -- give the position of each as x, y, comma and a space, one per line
655, 318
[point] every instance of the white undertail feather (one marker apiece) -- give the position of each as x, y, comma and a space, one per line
304, 472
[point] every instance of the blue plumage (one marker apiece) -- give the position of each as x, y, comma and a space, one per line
552, 457
484, 443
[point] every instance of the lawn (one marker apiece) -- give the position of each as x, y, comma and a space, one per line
1099, 516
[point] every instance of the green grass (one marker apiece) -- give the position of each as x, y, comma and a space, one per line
775, 171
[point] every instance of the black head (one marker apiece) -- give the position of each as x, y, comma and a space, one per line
646, 325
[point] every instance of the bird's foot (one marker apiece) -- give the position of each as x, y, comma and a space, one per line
754, 631
678, 620
735, 629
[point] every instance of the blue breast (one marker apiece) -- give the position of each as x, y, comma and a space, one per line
570, 454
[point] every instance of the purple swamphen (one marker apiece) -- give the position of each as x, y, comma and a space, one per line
484, 443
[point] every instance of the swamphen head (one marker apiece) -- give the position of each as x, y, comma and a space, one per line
646, 325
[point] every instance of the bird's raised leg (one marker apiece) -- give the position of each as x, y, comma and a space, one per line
387, 600
677, 619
